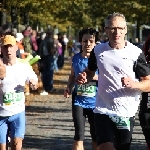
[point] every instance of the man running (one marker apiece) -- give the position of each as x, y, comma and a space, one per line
117, 100
83, 97
12, 99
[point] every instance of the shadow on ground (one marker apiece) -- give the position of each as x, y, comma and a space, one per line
63, 143
45, 143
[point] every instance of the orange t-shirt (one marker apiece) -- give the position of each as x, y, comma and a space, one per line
20, 46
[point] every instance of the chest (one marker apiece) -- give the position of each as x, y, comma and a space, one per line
113, 61
14, 75
79, 65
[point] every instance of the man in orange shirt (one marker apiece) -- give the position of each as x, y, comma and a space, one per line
20, 53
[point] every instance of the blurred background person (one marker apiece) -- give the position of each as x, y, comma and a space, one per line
27, 42
34, 44
20, 52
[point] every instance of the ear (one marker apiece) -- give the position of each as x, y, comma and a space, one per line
126, 30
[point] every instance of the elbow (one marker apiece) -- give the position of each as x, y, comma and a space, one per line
2, 72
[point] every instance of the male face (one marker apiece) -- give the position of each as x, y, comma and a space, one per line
116, 30
88, 43
9, 51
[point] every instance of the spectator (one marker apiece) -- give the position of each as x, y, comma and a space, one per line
48, 62
56, 52
137, 43
34, 45
61, 58
20, 52
27, 42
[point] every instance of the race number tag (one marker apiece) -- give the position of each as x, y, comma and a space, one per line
148, 101
121, 122
12, 98
87, 89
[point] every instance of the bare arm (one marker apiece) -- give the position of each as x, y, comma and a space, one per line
70, 84
90, 75
143, 85
71, 79
2, 70
86, 76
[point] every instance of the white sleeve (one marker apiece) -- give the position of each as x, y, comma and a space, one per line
31, 74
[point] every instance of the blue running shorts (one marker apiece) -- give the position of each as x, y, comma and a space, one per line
15, 124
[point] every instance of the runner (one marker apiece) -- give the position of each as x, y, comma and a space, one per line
144, 113
12, 99
117, 99
83, 97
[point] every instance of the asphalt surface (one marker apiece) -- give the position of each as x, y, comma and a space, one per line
49, 123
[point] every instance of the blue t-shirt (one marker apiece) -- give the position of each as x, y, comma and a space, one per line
85, 94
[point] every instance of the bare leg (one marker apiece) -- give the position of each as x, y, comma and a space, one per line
2, 146
106, 146
16, 144
77, 145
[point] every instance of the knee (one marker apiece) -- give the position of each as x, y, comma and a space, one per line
106, 146
16, 144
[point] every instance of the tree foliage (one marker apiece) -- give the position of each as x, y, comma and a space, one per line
80, 13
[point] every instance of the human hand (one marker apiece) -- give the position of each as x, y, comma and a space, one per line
2, 70
81, 78
1, 63
128, 82
33, 84
67, 92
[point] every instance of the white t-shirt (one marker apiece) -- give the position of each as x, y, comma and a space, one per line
112, 98
12, 88
66, 40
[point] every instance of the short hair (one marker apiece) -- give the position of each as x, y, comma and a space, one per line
113, 15
28, 26
6, 29
90, 31
146, 47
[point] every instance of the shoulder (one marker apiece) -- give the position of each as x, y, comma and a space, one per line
23, 62
134, 51
99, 48
76, 56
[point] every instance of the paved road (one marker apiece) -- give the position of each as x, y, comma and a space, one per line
49, 122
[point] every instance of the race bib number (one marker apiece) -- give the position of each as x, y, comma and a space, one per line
121, 122
12, 98
148, 101
87, 89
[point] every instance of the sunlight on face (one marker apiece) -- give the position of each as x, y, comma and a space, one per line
116, 30
9, 51
88, 43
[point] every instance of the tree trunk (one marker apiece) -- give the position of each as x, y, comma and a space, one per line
3, 18
138, 29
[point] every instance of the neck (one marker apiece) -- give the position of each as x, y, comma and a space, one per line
117, 45
9, 62
85, 55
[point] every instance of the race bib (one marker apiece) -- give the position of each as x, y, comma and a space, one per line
12, 98
87, 89
121, 122
148, 101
